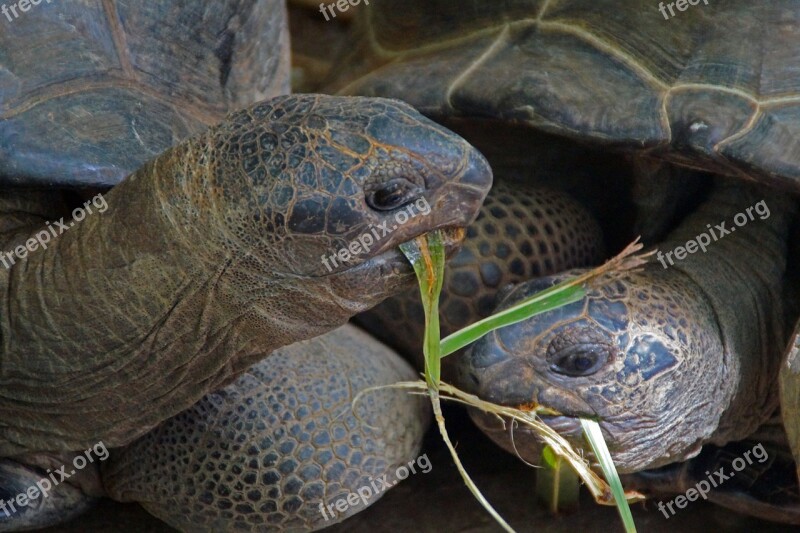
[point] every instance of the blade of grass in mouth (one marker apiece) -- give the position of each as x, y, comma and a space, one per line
559, 295
426, 254
595, 437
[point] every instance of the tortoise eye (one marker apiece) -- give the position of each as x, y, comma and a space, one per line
579, 352
393, 194
578, 361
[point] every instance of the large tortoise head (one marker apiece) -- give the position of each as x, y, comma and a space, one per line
667, 358
327, 187
277, 225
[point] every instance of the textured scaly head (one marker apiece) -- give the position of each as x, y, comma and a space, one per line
642, 355
334, 184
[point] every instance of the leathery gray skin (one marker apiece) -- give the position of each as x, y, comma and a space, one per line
210, 257
666, 359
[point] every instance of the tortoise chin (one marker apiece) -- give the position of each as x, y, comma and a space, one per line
628, 456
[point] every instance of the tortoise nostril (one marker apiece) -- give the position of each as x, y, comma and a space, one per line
393, 194
478, 172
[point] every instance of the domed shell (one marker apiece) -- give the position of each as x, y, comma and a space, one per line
710, 85
91, 90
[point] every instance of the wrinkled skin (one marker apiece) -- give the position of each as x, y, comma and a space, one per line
209, 257
205, 261
666, 359
605, 357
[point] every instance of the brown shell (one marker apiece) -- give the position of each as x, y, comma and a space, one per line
89, 90
715, 87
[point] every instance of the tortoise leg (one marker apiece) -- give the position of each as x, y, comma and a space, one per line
42, 490
281, 446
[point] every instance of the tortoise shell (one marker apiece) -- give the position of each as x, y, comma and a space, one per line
714, 87
91, 90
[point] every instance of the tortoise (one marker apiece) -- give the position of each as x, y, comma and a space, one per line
711, 90
205, 256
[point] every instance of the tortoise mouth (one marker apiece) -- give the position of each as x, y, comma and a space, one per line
568, 427
523, 441
452, 239
391, 262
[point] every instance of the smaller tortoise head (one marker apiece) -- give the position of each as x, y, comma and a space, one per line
321, 190
641, 354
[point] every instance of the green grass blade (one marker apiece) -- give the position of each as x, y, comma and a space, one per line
557, 484
541, 302
427, 256
430, 277
564, 293
598, 443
